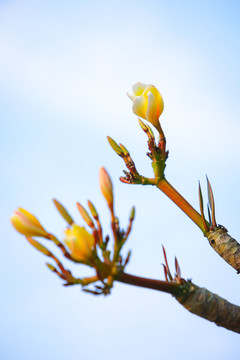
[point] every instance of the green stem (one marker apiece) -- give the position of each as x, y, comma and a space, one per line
179, 200
87, 280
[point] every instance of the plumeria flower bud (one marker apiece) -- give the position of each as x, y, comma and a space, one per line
106, 186
80, 242
115, 146
147, 103
93, 210
63, 212
27, 224
85, 215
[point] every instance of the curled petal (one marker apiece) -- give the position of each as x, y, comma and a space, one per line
138, 88
158, 97
140, 106
151, 113
132, 97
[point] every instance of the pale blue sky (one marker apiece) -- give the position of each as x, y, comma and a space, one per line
65, 68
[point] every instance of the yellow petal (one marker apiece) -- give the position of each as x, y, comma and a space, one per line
85, 241
132, 97
138, 88
140, 106
80, 242
151, 113
31, 217
25, 226
69, 238
157, 96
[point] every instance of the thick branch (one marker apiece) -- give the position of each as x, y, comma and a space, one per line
198, 301
226, 246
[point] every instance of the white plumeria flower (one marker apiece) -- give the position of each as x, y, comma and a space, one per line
147, 103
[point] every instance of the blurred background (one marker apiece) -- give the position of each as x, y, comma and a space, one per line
65, 68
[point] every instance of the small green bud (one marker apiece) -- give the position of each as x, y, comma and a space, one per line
115, 146
39, 246
63, 212
93, 210
51, 267
125, 151
132, 213
143, 126
150, 131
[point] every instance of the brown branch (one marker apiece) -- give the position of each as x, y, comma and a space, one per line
198, 301
148, 283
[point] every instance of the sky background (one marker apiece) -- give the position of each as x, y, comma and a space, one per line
65, 68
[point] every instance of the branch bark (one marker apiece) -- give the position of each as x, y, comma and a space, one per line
195, 299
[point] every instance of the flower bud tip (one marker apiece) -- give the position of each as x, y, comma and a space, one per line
27, 224
106, 186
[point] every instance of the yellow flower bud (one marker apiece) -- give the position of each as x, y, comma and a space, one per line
147, 103
27, 224
106, 186
80, 242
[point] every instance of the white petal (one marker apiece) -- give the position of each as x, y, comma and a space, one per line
132, 97
140, 106
138, 88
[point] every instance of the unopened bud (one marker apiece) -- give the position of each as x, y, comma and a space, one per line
51, 267
63, 212
143, 126
93, 210
27, 224
106, 187
115, 146
150, 131
39, 246
125, 151
132, 213
85, 216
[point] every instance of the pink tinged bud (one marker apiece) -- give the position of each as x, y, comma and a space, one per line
27, 224
85, 215
106, 186
80, 242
